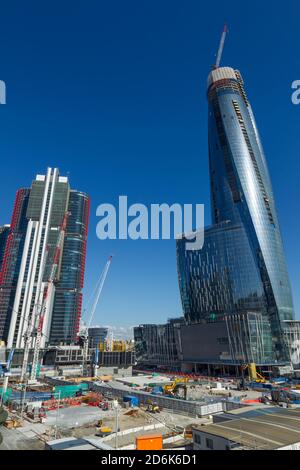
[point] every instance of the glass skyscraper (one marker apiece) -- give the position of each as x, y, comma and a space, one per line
28, 259
11, 262
4, 232
241, 270
68, 294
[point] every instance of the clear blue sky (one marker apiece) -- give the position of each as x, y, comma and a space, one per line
113, 93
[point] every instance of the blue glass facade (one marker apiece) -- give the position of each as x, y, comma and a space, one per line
68, 290
241, 268
220, 278
158, 345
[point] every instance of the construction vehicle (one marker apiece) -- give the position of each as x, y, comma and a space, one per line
152, 407
171, 389
104, 405
254, 376
41, 308
84, 331
102, 430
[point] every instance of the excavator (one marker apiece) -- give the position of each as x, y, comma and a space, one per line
170, 389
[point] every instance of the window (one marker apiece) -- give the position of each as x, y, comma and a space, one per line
209, 443
197, 439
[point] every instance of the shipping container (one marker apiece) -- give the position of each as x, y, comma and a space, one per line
149, 442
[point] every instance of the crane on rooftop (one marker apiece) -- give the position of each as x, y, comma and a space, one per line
221, 47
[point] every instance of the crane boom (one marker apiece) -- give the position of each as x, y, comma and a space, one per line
221, 47
84, 333
102, 277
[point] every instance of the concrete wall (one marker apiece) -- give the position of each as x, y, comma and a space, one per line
115, 371
184, 407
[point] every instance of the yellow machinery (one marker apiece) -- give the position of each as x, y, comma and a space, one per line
253, 374
152, 407
170, 388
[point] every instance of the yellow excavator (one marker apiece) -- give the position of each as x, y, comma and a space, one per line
171, 388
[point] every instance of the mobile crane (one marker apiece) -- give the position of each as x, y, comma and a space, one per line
253, 374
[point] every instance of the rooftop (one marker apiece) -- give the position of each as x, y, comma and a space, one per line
260, 429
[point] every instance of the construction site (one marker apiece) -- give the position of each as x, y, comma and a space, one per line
225, 375
103, 392
137, 411
93, 395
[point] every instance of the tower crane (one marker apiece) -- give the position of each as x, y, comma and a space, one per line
84, 332
41, 308
221, 47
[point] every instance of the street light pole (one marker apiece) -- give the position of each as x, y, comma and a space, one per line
116, 405
23, 398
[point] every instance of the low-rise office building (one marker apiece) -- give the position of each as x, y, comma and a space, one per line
268, 428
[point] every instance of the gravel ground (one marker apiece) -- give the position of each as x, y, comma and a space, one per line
20, 439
